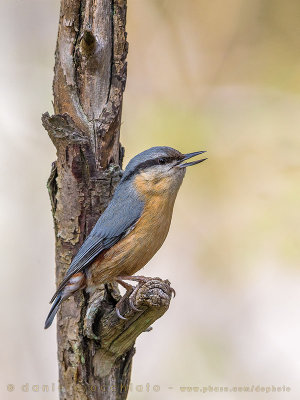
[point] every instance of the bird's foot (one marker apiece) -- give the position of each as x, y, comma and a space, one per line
132, 291
141, 280
129, 291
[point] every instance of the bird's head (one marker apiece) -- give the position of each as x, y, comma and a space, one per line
159, 170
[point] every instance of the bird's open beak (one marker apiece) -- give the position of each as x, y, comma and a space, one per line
190, 155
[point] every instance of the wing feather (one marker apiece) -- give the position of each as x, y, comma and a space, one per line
118, 219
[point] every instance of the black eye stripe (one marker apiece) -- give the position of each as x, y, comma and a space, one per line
150, 163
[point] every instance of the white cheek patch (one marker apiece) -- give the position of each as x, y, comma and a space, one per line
149, 175
155, 174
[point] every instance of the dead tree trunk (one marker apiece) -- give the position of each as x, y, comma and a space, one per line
95, 347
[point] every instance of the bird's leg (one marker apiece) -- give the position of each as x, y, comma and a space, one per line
129, 290
132, 295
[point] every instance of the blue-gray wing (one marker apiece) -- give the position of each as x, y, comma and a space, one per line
118, 219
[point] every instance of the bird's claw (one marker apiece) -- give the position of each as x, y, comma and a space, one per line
131, 302
119, 314
173, 291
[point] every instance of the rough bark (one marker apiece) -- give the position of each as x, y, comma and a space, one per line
95, 347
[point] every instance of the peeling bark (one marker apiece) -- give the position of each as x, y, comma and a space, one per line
95, 347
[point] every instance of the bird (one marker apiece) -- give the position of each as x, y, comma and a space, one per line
132, 228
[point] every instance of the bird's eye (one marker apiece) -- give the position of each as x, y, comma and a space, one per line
162, 161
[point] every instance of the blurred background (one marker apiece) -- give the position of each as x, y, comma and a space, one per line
220, 75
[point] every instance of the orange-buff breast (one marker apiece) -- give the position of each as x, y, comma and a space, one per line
134, 251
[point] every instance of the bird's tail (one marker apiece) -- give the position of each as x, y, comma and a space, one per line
53, 310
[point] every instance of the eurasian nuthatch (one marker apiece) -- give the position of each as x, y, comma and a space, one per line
132, 228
